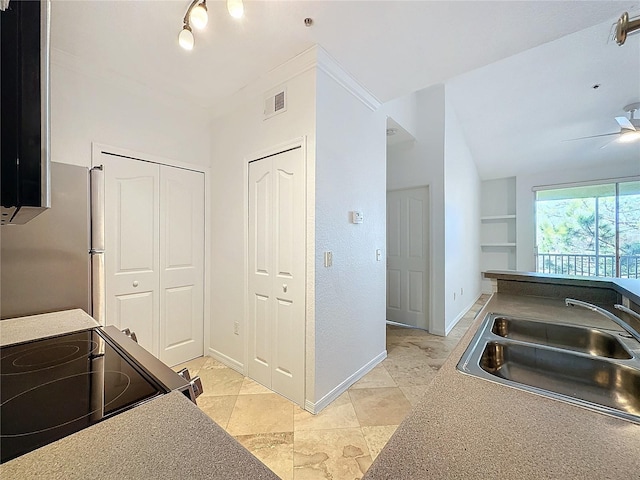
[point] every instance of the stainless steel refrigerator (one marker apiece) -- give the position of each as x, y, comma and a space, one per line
49, 263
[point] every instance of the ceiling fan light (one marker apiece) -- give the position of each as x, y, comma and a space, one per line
185, 38
236, 8
629, 136
199, 16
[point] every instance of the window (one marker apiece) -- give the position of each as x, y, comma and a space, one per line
591, 230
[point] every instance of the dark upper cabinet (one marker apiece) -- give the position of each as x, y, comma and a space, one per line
24, 127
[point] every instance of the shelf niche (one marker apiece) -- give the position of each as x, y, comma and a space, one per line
498, 226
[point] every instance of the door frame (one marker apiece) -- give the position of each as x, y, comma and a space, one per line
299, 142
98, 148
429, 310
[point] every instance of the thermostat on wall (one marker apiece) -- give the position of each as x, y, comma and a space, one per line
357, 217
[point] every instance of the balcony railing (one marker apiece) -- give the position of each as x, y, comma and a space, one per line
588, 265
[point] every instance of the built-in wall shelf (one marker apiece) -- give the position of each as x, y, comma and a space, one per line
498, 224
497, 218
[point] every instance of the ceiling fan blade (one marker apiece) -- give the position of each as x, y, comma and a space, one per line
591, 136
632, 137
625, 123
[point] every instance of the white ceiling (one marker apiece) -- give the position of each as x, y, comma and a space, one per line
391, 47
517, 113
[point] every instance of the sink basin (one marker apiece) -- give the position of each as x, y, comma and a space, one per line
582, 365
579, 339
587, 378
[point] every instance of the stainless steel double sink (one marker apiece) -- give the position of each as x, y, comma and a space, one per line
595, 368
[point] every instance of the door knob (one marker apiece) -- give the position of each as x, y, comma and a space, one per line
284, 287
135, 283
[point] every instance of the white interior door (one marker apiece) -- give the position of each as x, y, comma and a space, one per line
181, 264
277, 274
408, 257
132, 247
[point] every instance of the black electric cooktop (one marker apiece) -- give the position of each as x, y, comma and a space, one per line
53, 387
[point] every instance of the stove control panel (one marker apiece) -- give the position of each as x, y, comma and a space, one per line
195, 384
130, 334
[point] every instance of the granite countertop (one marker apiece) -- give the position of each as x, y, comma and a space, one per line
25, 329
167, 437
467, 427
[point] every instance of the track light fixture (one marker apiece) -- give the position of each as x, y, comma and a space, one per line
197, 16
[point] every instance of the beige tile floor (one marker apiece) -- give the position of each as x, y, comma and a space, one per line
341, 441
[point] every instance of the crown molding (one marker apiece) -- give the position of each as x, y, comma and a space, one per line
331, 67
283, 73
313, 57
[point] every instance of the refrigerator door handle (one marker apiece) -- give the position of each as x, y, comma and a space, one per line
98, 288
97, 209
98, 294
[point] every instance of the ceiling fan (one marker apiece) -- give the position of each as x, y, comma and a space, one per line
629, 127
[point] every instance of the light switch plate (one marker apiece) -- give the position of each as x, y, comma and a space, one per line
357, 217
328, 259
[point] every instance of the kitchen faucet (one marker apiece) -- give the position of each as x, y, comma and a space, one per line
625, 326
627, 310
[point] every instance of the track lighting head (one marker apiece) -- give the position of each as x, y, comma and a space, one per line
199, 17
185, 38
235, 8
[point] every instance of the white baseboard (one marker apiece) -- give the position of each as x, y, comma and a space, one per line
461, 314
228, 361
343, 386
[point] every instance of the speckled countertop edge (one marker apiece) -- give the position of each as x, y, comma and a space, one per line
25, 329
167, 437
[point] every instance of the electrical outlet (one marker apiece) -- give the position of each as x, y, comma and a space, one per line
236, 328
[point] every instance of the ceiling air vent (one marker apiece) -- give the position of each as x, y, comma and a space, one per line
275, 103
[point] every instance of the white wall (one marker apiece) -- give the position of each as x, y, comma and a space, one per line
525, 226
419, 163
403, 110
441, 159
461, 222
93, 106
235, 137
350, 296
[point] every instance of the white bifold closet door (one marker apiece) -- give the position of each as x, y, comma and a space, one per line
154, 255
276, 330
181, 265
